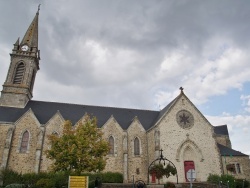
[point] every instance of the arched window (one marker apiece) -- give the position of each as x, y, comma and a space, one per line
25, 142
19, 73
136, 146
111, 145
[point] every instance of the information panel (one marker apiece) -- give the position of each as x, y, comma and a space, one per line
78, 182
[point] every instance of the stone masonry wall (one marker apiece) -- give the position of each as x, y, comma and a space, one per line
244, 162
137, 165
114, 161
24, 162
3, 136
223, 140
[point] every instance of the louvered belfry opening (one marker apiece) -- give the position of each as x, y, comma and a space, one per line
19, 73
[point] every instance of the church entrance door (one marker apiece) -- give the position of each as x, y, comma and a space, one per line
153, 178
187, 166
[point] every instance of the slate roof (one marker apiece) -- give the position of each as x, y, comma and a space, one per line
44, 111
222, 130
226, 151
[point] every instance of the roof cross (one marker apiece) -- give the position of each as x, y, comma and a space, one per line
38, 7
181, 88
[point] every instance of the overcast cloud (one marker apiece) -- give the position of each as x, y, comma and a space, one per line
136, 54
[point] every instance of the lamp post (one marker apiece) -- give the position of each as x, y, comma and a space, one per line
161, 158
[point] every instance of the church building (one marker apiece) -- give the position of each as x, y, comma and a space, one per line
136, 137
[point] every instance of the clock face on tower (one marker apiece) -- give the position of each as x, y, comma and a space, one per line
24, 48
185, 119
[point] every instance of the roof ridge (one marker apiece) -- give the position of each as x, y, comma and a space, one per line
95, 106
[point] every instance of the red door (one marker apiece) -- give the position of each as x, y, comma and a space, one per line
153, 178
187, 166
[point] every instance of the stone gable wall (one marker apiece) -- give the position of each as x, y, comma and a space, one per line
114, 161
54, 125
196, 143
24, 162
137, 165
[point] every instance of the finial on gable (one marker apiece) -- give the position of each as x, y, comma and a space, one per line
181, 88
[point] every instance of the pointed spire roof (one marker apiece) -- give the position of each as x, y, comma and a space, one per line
31, 36
17, 42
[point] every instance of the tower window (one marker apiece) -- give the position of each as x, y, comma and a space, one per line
24, 142
136, 146
19, 74
111, 145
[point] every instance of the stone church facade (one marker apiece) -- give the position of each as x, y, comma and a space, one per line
136, 137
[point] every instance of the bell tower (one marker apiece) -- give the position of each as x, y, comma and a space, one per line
24, 64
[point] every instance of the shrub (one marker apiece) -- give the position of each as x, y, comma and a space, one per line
213, 178
11, 177
112, 177
44, 183
239, 183
55, 180
169, 185
227, 179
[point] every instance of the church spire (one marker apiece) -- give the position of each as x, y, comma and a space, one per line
24, 64
31, 36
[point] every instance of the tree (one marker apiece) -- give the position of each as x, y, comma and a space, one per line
79, 149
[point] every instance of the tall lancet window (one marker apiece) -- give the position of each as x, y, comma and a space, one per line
136, 146
25, 142
19, 73
111, 145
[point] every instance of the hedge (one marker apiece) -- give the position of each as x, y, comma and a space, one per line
56, 180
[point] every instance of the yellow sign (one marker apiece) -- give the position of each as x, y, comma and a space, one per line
78, 182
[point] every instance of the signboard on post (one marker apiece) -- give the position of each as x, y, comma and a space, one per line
191, 175
78, 182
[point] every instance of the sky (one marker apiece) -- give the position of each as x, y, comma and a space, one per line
137, 54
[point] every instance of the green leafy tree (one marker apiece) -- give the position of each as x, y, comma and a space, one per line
79, 149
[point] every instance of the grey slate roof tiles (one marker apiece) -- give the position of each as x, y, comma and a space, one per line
222, 130
226, 151
44, 111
